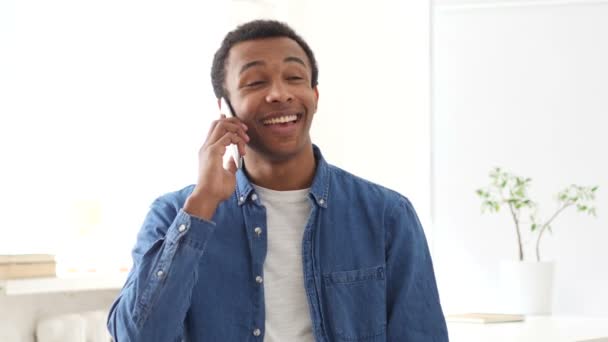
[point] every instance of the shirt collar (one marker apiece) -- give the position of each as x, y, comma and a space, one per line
319, 190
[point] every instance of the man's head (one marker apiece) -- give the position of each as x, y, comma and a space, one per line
269, 75
254, 30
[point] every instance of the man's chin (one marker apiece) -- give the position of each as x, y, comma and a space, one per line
281, 152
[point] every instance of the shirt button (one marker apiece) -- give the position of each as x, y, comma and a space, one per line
258, 231
321, 201
259, 279
254, 197
182, 228
241, 199
257, 332
160, 273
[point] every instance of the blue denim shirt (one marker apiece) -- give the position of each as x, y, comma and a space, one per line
368, 275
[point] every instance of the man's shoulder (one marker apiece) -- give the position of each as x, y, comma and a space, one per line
350, 184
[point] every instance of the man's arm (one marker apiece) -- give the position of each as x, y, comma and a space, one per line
414, 311
153, 304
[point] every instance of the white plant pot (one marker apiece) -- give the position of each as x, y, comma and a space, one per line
526, 287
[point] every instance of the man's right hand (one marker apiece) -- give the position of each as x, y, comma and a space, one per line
215, 184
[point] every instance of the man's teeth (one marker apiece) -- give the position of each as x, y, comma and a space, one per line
281, 119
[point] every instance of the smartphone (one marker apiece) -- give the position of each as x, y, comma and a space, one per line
226, 109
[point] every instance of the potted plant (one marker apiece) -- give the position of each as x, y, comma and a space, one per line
527, 285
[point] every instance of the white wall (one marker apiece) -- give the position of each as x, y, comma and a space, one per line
523, 87
105, 101
116, 99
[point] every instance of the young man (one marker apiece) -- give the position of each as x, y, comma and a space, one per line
288, 248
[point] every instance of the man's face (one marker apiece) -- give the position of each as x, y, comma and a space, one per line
270, 90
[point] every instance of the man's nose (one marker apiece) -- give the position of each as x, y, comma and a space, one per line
279, 92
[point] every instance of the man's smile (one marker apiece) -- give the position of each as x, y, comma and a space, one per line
282, 124
281, 119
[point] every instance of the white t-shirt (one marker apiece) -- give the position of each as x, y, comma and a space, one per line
287, 312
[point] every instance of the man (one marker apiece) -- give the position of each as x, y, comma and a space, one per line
288, 248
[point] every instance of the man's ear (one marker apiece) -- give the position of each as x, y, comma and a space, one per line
316, 89
219, 103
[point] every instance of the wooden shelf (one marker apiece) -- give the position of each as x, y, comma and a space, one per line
14, 287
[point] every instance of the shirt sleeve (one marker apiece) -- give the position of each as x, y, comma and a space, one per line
153, 303
413, 308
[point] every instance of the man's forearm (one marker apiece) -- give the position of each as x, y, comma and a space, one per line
153, 304
200, 206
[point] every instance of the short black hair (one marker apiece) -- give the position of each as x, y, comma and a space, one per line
256, 29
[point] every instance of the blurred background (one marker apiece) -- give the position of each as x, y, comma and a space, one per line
103, 106
520, 85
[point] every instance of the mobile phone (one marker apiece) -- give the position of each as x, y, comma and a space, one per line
226, 109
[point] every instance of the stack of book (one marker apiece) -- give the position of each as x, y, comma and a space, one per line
27, 266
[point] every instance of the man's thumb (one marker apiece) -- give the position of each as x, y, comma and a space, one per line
231, 166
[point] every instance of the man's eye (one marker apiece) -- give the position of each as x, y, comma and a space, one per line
294, 78
254, 83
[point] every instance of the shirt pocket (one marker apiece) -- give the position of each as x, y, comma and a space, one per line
356, 303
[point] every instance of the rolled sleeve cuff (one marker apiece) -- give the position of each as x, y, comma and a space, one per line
190, 228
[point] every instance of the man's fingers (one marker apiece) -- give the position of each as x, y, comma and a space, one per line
239, 129
224, 126
241, 145
228, 138
236, 120
231, 165
212, 127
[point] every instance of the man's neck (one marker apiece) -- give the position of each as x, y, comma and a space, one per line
290, 174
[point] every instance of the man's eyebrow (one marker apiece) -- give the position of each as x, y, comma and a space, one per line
294, 59
250, 65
